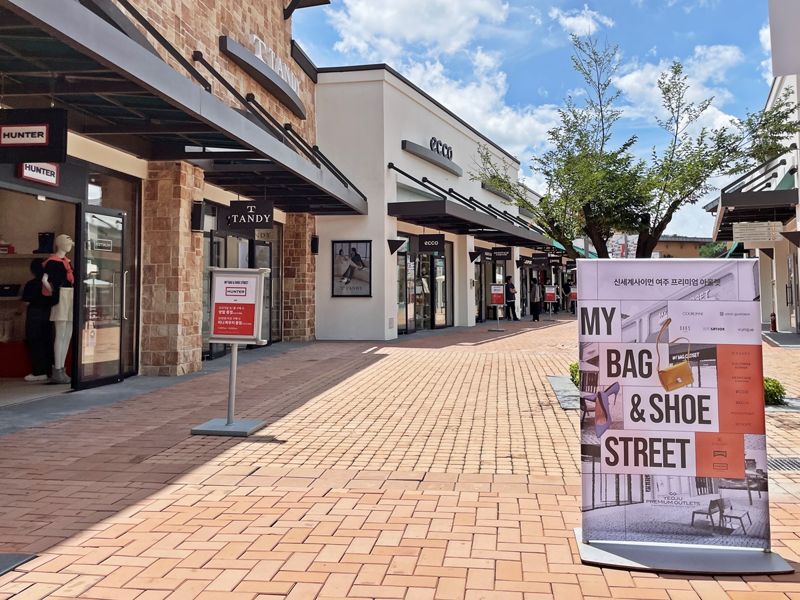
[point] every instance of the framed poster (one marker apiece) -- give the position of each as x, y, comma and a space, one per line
673, 444
550, 293
497, 294
352, 269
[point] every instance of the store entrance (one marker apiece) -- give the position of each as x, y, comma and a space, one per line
479, 301
432, 296
30, 225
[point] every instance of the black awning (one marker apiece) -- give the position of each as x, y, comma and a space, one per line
121, 93
749, 207
460, 215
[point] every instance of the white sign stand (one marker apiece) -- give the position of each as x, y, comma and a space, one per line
236, 293
495, 289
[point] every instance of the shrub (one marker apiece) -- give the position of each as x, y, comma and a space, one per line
774, 392
575, 374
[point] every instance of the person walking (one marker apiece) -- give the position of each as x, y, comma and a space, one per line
38, 327
511, 300
536, 299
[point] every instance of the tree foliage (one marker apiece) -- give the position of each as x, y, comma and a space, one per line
595, 188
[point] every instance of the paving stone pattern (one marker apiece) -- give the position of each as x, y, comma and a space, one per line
437, 467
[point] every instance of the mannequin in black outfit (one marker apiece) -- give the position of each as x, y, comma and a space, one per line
38, 328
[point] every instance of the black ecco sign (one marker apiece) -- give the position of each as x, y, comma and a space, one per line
441, 148
257, 214
501, 253
431, 243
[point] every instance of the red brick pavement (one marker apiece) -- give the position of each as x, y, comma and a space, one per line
439, 467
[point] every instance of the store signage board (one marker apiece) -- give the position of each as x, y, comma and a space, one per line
41, 173
236, 314
758, 231
431, 243
673, 441
539, 262
237, 307
502, 253
247, 216
33, 135
497, 292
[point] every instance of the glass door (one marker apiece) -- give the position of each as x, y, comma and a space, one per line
411, 295
791, 292
424, 303
402, 317
262, 259
439, 286
103, 306
478, 278
214, 250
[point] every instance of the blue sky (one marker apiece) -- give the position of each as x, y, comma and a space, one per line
504, 65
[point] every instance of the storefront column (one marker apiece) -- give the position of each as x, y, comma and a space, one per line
172, 271
765, 281
299, 278
781, 271
464, 283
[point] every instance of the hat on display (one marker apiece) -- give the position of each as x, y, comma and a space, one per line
46, 239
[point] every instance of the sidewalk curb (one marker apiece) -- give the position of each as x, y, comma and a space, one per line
568, 395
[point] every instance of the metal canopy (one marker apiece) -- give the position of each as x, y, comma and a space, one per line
116, 91
460, 215
756, 196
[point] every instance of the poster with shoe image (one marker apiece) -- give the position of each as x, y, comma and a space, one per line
352, 272
673, 444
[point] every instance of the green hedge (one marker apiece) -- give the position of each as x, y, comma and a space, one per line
575, 374
774, 392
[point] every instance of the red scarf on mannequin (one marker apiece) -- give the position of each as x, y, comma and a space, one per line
67, 267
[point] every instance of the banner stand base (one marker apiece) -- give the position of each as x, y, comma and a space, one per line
244, 428
681, 559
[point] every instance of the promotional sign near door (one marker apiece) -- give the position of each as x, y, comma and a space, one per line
673, 437
550, 293
431, 243
33, 135
497, 293
237, 309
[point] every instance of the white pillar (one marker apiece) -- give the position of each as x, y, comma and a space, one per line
463, 290
765, 281
781, 277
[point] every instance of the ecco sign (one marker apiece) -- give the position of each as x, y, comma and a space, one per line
441, 148
43, 173
431, 243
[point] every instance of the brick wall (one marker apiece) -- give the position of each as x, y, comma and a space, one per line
172, 269
197, 24
299, 277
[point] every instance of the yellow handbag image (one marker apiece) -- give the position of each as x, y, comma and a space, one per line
675, 376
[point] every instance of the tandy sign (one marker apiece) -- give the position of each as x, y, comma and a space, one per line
37, 135
257, 214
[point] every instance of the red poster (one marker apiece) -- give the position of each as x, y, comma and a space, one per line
498, 294
234, 319
549, 293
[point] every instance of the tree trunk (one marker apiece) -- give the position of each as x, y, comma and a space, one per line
598, 240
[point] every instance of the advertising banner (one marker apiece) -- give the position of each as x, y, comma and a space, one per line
673, 444
237, 305
498, 294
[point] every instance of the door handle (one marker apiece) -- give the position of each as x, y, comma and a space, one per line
125, 295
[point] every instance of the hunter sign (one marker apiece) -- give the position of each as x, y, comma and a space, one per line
33, 135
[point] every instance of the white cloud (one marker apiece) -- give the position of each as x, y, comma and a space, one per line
580, 22
480, 100
440, 26
764, 37
707, 69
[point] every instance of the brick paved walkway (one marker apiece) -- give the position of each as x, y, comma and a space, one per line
439, 467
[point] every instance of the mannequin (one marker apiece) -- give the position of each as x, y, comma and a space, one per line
58, 281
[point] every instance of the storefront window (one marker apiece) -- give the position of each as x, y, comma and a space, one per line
448, 250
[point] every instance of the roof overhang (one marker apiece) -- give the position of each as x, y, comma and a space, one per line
447, 215
747, 207
121, 93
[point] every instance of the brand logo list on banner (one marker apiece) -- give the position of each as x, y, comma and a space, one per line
673, 437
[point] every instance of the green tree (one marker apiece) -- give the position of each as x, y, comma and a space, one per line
713, 250
682, 172
594, 188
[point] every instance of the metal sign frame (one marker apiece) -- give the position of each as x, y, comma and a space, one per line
219, 273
